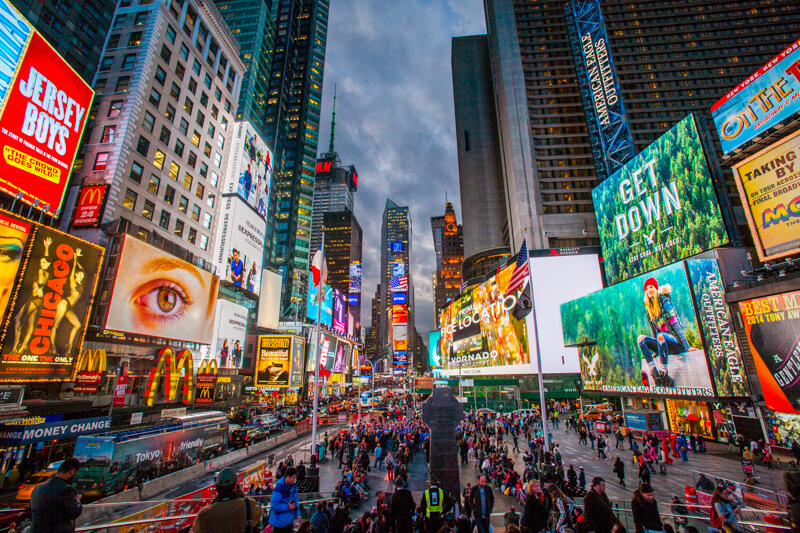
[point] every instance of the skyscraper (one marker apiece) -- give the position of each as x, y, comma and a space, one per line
343, 241
371, 345
449, 245
292, 118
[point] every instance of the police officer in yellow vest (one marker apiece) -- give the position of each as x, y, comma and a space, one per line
434, 504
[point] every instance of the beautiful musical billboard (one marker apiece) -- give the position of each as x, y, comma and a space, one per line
764, 99
158, 295
44, 111
51, 305
274, 361
249, 168
89, 206
14, 235
239, 250
772, 326
660, 207
769, 184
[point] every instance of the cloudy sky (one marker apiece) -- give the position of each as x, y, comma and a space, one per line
395, 122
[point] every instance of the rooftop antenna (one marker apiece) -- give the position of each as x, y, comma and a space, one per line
333, 121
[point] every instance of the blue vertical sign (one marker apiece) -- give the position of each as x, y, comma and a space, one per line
609, 131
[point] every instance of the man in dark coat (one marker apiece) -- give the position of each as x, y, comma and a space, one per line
402, 507
645, 510
481, 499
598, 514
55, 504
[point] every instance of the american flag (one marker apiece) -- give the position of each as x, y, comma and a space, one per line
399, 283
520, 275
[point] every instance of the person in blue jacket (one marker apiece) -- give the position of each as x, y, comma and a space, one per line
285, 503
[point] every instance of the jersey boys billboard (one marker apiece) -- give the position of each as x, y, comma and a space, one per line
769, 184
660, 207
44, 110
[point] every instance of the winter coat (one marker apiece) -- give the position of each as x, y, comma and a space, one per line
534, 517
279, 514
598, 513
645, 513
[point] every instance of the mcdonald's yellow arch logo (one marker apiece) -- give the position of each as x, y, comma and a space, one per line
93, 361
208, 366
92, 196
172, 373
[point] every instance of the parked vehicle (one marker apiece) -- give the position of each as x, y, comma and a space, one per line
242, 438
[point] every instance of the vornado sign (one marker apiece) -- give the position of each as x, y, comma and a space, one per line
171, 372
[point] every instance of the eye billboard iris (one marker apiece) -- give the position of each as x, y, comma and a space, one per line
659, 208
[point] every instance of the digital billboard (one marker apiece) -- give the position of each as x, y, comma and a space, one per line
44, 110
660, 207
158, 295
326, 315
648, 340
342, 357
298, 358
355, 277
764, 99
772, 326
399, 298
89, 206
51, 305
239, 248
399, 314
769, 184
249, 168
14, 235
397, 247
339, 319
273, 365
400, 337
434, 349
398, 268
230, 328
327, 352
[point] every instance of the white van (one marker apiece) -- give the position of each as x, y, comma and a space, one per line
525, 413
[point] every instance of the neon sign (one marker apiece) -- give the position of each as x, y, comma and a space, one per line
166, 366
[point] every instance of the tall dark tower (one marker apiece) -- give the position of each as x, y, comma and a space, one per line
449, 244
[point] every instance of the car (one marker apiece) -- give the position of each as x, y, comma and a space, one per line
43, 476
486, 411
268, 423
524, 413
244, 437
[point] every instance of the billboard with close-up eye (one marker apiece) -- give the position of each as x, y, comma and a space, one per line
51, 305
14, 235
44, 110
239, 249
158, 295
249, 168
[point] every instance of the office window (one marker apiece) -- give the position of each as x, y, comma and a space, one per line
203, 242
179, 147
214, 179
180, 70
123, 82
155, 97
211, 130
113, 41
214, 111
108, 134
128, 61
196, 67
147, 210
169, 195
171, 34
193, 85
192, 235
183, 204
187, 181
196, 138
170, 113
227, 105
175, 91
203, 169
211, 199
192, 160
143, 145
207, 81
135, 39
178, 228
188, 105
165, 134
220, 141
183, 127
196, 213
136, 172
161, 76
200, 118
207, 150
105, 64
129, 202
166, 53
217, 159
164, 220
100, 86
218, 94
224, 124
158, 159
154, 184
100, 161
174, 170
207, 219
184, 51
141, 18
119, 22
201, 191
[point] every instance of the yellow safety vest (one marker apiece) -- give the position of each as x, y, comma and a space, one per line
435, 507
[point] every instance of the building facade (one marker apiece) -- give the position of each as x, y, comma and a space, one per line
343, 243
449, 245
334, 189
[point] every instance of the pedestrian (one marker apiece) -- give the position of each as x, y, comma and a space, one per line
644, 473
481, 499
230, 510
619, 469
378, 457
511, 517
285, 503
320, 520
680, 511
645, 509
534, 516
592, 437
724, 510
55, 504
598, 513
434, 504
601, 448
402, 508
572, 476
390, 466
559, 518
581, 479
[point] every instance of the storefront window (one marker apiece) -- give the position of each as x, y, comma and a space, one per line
690, 417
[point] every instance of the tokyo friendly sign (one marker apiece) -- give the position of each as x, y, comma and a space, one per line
765, 98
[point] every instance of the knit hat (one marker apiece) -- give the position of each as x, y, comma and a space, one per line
651, 281
645, 488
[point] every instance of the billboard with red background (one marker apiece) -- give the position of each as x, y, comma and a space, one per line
44, 110
89, 207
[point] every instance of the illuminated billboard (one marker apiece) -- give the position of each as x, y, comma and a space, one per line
764, 99
298, 359
399, 298
769, 185
342, 357
434, 349
339, 319
158, 295
230, 328
327, 353
355, 277
44, 110
51, 304
249, 168
660, 207
89, 206
240, 244
397, 247
14, 235
772, 326
326, 316
398, 268
399, 314
400, 337
273, 364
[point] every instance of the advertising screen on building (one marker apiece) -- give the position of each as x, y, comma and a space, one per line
327, 353
647, 336
298, 358
240, 244
326, 316
230, 328
772, 325
399, 314
764, 99
769, 184
661, 207
399, 298
479, 334
434, 349
274, 362
89, 206
249, 168
269, 299
51, 304
342, 357
355, 277
397, 247
400, 337
14, 235
44, 110
398, 268
158, 295
339, 319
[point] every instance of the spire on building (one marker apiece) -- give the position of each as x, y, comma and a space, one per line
333, 121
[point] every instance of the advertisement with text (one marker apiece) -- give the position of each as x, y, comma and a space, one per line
249, 168
159, 295
274, 361
239, 250
659, 208
298, 359
230, 328
326, 313
89, 207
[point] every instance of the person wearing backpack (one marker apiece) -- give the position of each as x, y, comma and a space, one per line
230, 511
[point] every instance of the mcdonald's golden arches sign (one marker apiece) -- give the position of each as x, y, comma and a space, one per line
89, 206
206, 380
91, 368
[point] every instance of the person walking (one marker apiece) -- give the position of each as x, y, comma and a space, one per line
481, 499
55, 505
378, 457
598, 513
534, 516
645, 510
581, 479
231, 510
619, 469
434, 505
559, 518
402, 508
285, 503
320, 520
724, 510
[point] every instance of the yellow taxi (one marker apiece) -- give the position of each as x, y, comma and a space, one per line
43, 476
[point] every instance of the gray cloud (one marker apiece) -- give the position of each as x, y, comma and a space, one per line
390, 62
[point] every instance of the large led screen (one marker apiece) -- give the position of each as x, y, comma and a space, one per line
273, 364
44, 110
230, 329
158, 295
434, 349
240, 244
327, 353
298, 359
772, 326
51, 305
249, 168
326, 313
647, 336
355, 278
339, 319
479, 334
769, 184
14, 236
660, 207
764, 99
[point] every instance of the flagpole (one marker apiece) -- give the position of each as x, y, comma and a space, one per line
320, 297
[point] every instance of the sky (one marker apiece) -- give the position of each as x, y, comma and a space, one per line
390, 62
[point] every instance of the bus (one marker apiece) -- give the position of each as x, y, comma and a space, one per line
116, 461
